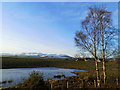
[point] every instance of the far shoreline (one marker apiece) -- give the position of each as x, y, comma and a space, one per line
40, 67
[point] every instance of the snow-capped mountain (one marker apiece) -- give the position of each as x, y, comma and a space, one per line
33, 54
55, 56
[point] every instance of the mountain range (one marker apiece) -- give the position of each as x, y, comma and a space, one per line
34, 54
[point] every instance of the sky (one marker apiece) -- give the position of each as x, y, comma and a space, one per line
45, 27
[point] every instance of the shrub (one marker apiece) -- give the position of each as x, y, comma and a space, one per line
35, 80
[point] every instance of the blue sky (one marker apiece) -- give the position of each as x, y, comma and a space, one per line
45, 27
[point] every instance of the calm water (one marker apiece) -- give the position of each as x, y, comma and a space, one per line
18, 74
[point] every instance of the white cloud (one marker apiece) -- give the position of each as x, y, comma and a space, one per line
70, 13
78, 18
81, 16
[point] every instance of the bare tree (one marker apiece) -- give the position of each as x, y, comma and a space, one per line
88, 39
107, 34
77, 56
81, 54
97, 36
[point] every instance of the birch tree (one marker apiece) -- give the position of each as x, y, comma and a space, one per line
107, 34
88, 38
97, 36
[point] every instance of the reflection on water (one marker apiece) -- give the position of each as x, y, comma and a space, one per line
17, 75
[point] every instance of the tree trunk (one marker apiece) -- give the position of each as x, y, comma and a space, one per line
103, 50
97, 72
96, 63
